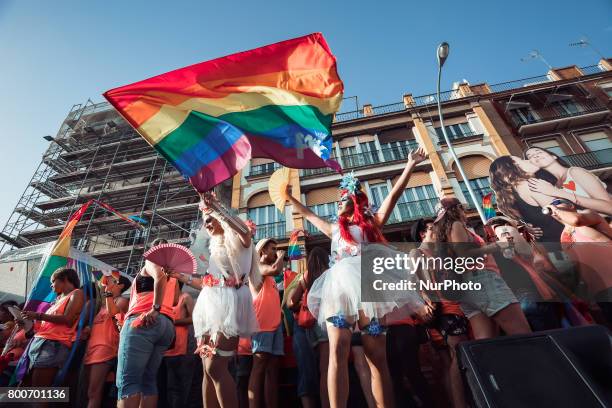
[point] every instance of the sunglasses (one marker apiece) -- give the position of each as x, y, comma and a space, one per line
208, 220
559, 201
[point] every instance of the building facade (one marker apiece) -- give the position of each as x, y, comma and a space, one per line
97, 155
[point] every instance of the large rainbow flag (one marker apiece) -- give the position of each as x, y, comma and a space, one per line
210, 118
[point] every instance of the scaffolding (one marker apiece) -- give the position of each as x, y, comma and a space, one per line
97, 155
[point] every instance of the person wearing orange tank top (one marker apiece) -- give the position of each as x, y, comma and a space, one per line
494, 304
103, 337
57, 331
148, 331
268, 345
178, 365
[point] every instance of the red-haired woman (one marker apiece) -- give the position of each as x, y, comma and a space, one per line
335, 297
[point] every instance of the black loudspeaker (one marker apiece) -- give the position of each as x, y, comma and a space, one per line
556, 368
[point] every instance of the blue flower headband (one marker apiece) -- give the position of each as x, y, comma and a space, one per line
350, 183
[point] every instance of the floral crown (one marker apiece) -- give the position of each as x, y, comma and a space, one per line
350, 184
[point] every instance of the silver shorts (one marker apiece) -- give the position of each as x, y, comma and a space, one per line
493, 296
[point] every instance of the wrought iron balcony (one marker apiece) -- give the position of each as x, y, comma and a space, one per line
263, 169
414, 210
312, 230
276, 230
590, 160
550, 113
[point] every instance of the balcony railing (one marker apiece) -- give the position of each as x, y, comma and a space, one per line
398, 152
272, 230
414, 210
263, 169
455, 137
590, 160
316, 172
556, 112
312, 230
360, 159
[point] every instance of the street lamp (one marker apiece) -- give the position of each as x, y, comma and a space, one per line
443, 50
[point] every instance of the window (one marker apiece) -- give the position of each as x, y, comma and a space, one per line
551, 145
397, 150
481, 187
378, 193
370, 153
567, 107
326, 211
270, 222
417, 202
596, 141
456, 131
523, 116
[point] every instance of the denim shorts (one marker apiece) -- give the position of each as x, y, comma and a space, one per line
493, 296
269, 342
45, 353
141, 351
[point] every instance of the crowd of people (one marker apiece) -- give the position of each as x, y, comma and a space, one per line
160, 347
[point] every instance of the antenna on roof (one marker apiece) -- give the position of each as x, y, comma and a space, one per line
535, 54
583, 43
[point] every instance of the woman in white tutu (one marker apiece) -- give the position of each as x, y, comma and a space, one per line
335, 297
224, 309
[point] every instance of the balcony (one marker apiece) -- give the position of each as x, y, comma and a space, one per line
312, 230
456, 137
273, 230
557, 116
316, 172
263, 169
360, 160
590, 160
414, 210
398, 153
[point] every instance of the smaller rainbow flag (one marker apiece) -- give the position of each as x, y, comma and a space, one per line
487, 206
294, 252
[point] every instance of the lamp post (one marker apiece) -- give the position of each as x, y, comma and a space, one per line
442, 53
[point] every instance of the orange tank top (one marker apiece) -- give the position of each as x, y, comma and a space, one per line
103, 340
58, 332
143, 302
181, 332
267, 306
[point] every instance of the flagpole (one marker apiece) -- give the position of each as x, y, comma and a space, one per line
442, 55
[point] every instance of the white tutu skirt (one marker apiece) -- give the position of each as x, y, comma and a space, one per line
337, 292
224, 310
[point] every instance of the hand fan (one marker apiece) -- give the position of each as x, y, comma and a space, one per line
172, 257
277, 186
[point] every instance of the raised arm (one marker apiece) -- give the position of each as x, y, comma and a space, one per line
322, 225
415, 157
235, 223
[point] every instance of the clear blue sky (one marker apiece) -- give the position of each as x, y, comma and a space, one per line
58, 53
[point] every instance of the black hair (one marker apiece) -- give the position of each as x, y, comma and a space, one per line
158, 241
418, 227
4, 305
67, 274
125, 282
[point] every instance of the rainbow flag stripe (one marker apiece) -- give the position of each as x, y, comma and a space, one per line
210, 118
487, 206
